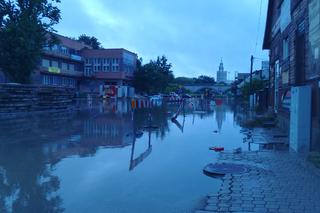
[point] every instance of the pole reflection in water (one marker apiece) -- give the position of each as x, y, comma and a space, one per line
134, 162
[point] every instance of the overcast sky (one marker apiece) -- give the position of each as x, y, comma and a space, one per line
194, 35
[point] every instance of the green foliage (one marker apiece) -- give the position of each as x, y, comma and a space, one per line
203, 79
257, 85
91, 41
24, 29
153, 77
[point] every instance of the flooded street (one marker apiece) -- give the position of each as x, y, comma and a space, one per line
103, 159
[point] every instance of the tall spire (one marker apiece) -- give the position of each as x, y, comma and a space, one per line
221, 68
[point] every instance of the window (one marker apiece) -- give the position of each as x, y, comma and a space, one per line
64, 50
45, 63
64, 66
285, 49
285, 14
71, 67
55, 64
104, 68
95, 68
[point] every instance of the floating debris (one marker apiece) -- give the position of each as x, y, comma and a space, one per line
217, 149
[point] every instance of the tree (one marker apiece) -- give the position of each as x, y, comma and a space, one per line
24, 29
257, 85
91, 41
153, 77
203, 79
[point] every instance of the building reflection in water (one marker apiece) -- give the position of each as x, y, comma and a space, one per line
32, 146
221, 112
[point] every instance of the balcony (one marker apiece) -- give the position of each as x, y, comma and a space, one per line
62, 55
56, 70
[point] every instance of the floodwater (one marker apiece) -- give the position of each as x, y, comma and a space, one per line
95, 159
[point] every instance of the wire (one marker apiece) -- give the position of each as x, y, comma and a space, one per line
259, 25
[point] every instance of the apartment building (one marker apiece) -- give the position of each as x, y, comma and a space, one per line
62, 64
73, 64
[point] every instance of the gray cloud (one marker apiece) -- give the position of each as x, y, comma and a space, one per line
194, 35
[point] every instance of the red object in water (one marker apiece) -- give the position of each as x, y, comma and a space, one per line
219, 102
217, 149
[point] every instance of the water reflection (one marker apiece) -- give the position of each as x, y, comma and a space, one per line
33, 147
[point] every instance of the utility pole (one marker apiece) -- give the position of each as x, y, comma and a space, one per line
251, 70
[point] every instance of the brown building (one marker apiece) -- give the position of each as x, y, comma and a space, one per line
73, 64
61, 64
293, 37
107, 67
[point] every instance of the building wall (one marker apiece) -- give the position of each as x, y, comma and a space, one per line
300, 42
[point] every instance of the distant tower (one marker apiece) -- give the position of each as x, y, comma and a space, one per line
222, 74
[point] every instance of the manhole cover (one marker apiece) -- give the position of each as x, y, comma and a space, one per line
223, 169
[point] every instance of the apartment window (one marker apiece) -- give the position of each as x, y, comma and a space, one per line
285, 49
95, 68
108, 68
45, 63
285, 14
117, 68
55, 64
71, 67
64, 66
64, 50
99, 68
104, 68
87, 61
117, 60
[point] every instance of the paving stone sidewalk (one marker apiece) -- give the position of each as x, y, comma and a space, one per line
275, 181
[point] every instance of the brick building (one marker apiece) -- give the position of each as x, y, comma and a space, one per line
293, 37
75, 65
62, 64
108, 66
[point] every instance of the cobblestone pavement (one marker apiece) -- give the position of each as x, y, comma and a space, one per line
275, 181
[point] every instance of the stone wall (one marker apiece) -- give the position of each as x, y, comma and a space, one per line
16, 98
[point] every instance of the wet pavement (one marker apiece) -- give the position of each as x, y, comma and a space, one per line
277, 180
